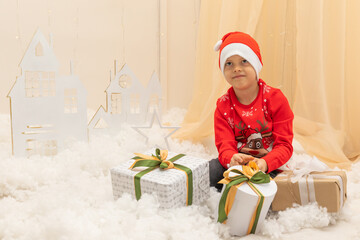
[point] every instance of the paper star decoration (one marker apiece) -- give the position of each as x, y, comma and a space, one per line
156, 135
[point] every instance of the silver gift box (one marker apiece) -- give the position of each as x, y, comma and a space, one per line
168, 186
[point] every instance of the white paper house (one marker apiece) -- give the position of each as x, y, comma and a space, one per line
47, 110
127, 101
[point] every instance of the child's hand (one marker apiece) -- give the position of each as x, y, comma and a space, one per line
240, 159
261, 164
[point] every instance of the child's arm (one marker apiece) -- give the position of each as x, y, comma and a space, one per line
282, 131
224, 139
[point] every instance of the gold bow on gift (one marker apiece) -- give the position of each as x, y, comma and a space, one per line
159, 160
148, 161
248, 170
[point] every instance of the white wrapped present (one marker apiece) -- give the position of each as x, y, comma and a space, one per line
170, 186
241, 209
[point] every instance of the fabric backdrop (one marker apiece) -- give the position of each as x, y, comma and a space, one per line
310, 51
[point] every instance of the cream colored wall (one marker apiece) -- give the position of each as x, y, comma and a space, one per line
95, 33
183, 17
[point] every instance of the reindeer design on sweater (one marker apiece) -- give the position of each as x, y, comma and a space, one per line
256, 142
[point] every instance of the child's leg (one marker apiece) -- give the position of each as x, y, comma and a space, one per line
216, 171
274, 173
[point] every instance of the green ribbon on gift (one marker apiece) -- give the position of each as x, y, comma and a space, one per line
250, 174
159, 161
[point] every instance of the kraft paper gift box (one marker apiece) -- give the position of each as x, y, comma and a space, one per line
327, 188
243, 209
169, 185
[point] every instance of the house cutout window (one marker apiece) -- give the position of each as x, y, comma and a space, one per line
40, 126
49, 147
39, 51
39, 84
48, 84
135, 103
70, 100
115, 103
125, 81
38, 129
101, 124
32, 84
153, 103
41, 147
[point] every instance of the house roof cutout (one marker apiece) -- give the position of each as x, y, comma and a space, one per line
35, 61
126, 72
127, 102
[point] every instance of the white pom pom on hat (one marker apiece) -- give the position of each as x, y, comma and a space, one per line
218, 45
242, 44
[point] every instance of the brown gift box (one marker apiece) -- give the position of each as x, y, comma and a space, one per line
327, 188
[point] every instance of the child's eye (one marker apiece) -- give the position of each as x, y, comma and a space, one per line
228, 63
244, 61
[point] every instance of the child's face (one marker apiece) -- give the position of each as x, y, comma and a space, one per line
239, 73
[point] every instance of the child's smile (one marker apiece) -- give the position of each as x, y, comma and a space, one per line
238, 76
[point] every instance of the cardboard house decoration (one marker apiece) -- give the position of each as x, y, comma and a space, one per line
127, 101
47, 110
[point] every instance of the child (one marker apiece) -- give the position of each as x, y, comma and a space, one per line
252, 121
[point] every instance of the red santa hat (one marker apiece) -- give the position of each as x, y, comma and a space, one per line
242, 44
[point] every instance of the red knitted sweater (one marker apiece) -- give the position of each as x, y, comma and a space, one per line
262, 129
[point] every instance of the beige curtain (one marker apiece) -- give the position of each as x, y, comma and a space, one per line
326, 97
310, 51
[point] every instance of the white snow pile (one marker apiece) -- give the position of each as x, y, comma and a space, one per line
69, 196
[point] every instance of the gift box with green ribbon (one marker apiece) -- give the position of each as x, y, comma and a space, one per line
245, 199
174, 179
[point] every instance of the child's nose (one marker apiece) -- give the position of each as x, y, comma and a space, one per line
237, 68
